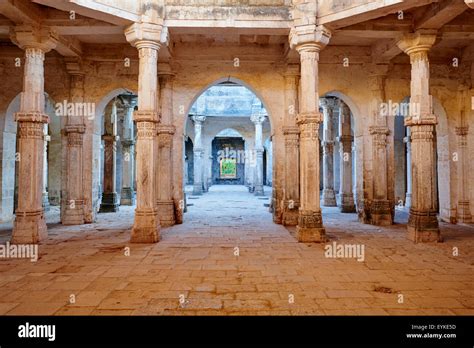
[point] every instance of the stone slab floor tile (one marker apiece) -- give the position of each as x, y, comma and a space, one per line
197, 260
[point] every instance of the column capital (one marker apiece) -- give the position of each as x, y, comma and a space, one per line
165, 70
144, 35
417, 43
258, 119
309, 117
166, 129
312, 38
469, 3
291, 130
327, 103
379, 130
75, 128
34, 37
199, 119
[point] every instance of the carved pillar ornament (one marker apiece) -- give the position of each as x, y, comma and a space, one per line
29, 225
308, 40
423, 222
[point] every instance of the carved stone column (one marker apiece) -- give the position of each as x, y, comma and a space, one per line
29, 225
329, 198
47, 138
127, 194
407, 141
198, 155
346, 196
291, 132
464, 209
308, 41
380, 207
166, 205
145, 37
110, 202
423, 222
73, 211
258, 120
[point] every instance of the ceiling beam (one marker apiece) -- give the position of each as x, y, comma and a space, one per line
22, 11
384, 51
440, 13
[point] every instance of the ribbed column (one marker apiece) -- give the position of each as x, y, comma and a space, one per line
308, 41
346, 196
29, 225
145, 37
329, 198
258, 120
407, 141
166, 205
423, 222
198, 153
464, 209
127, 193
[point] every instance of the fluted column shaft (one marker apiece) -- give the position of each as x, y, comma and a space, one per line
29, 225
329, 198
198, 152
258, 121
144, 36
422, 223
127, 194
346, 196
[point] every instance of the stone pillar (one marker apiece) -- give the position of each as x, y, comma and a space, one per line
407, 141
346, 196
73, 212
127, 194
198, 155
464, 210
47, 138
423, 223
308, 41
258, 120
291, 132
380, 207
145, 37
29, 225
110, 201
329, 198
166, 205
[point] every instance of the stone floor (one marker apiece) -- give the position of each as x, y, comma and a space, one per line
195, 268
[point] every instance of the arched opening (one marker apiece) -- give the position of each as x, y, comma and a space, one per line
227, 142
114, 139
338, 180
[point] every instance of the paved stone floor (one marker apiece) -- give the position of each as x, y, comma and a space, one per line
195, 269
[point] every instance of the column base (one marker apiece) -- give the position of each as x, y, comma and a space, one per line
29, 228
329, 198
109, 203
146, 227
197, 189
179, 210
423, 227
380, 213
73, 216
290, 217
464, 212
310, 227
347, 203
166, 213
127, 196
